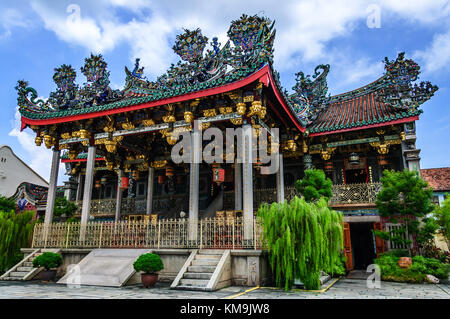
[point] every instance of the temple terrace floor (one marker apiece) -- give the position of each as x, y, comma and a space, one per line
341, 289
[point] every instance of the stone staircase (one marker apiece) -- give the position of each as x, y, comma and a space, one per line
24, 270
205, 270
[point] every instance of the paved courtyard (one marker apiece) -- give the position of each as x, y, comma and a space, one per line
342, 289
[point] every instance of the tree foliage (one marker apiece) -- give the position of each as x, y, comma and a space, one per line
404, 193
404, 197
315, 185
303, 239
64, 207
442, 215
15, 233
7, 204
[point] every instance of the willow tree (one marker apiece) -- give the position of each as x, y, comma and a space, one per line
15, 233
303, 239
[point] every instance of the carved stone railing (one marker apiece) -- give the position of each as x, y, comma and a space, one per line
342, 194
355, 193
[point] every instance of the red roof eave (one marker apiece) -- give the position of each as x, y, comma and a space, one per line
259, 75
404, 120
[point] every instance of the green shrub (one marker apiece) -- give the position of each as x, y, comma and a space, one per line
420, 267
48, 260
148, 263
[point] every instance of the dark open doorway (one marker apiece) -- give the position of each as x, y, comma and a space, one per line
355, 176
363, 246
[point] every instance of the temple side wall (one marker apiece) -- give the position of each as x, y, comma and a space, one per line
248, 267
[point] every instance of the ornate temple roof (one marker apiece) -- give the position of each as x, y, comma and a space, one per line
437, 178
247, 57
35, 194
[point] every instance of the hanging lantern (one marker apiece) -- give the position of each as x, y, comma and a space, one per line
135, 174
97, 184
169, 171
353, 159
328, 166
218, 175
103, 180
124, 182
382, 160
161, 179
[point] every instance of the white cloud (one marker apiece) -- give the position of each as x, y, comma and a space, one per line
39, 158
303, 27
10, 19
437, 56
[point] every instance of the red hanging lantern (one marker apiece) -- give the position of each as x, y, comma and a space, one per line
135, 174
124, 182
382, 160
218, 175
97, 184
169, 171
161, 179
328, 166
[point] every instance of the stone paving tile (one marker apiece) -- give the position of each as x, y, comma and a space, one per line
343, 289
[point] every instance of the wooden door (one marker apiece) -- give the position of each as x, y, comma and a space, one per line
348, 247
379, 243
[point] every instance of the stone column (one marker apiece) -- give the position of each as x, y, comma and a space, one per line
80, 187
238, 186
410, 152
52, 189
88, 184
194, 176
150, 186
247, 175
119, 195
280, 179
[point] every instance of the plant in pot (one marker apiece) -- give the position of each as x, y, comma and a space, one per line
149, 264
50, 261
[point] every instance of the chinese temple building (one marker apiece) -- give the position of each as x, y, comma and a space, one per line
117, 144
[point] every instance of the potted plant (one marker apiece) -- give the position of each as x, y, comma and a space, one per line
50, 261
149, 264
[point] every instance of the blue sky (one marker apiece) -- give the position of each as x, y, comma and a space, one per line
352, 36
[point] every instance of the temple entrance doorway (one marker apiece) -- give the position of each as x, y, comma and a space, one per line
363, 245
355, 176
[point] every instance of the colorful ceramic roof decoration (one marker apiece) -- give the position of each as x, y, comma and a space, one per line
437, 178
246, 56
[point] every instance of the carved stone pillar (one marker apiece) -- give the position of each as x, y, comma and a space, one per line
410, 152
280, 179
307, 161
80, 187
119, 195
88, 185
247, 175
194, 176
150, 186
238, 186
52, 189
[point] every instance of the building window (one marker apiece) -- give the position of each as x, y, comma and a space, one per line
435, 200
140, 189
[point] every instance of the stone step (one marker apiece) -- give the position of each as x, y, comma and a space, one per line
27, 269
28, 264
205, 262
209, 269
218, 252
18, 274
193, 282
197, 275
197, 288
208, 257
